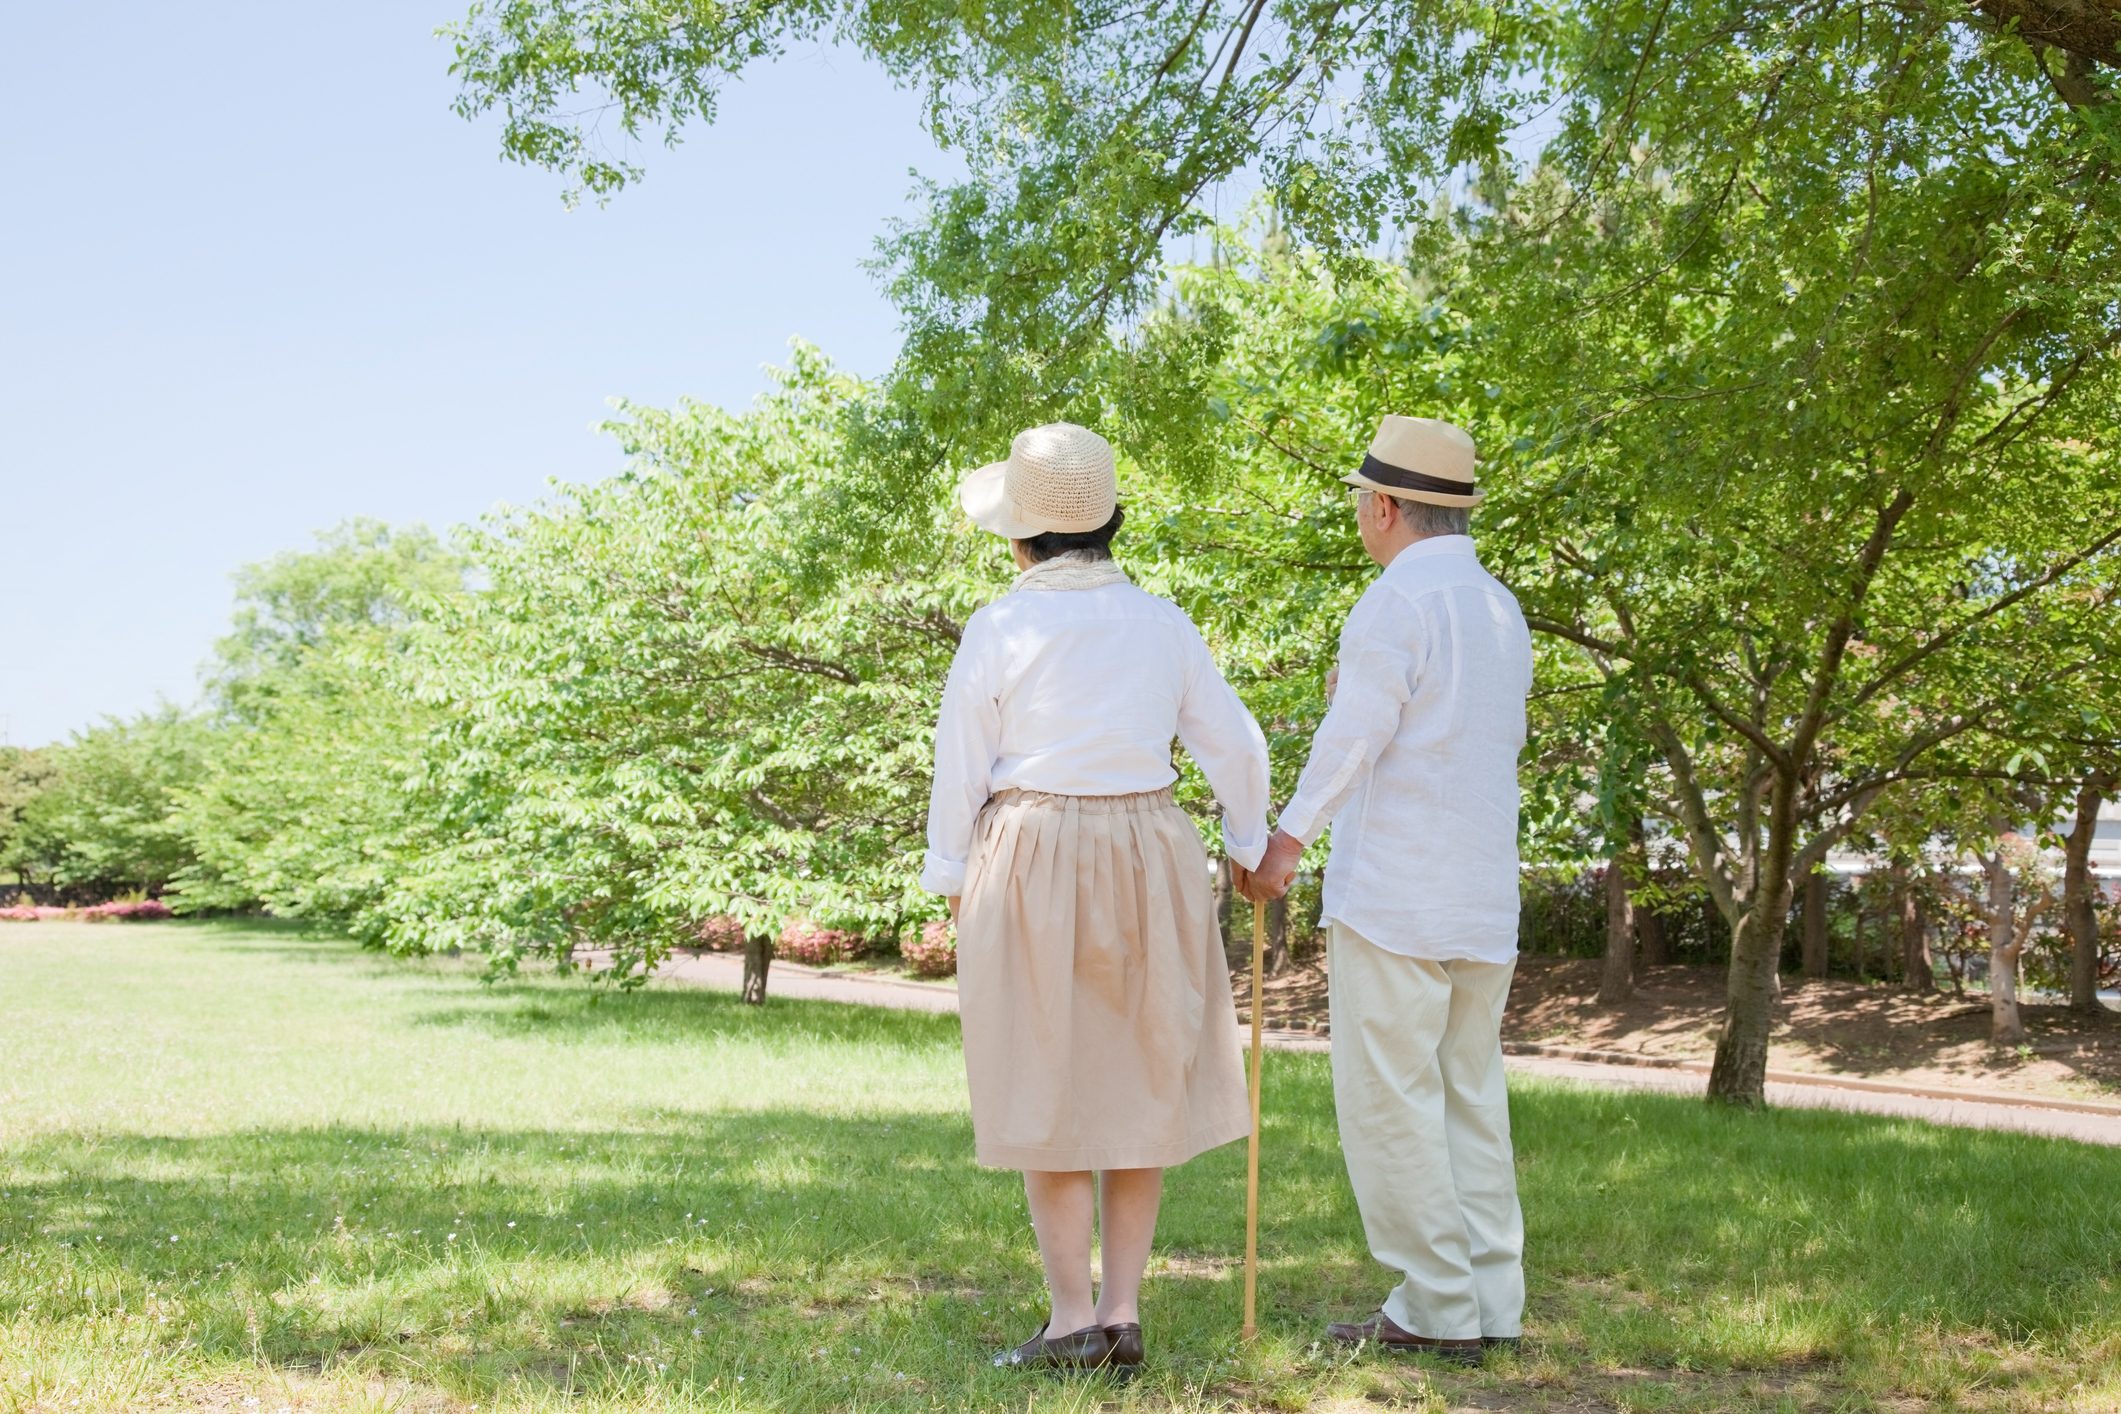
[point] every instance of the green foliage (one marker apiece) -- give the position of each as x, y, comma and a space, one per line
25, 772
97, 814
304, 807
662, 706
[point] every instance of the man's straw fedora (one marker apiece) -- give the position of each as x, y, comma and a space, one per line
1419, 459
1058, 478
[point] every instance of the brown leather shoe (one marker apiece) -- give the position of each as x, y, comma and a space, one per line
1507, 1344
1381, 1331
1125, 1357
1085, 1349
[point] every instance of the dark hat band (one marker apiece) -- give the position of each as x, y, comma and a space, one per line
1387, 475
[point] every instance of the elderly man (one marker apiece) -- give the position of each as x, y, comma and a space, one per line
1415, 767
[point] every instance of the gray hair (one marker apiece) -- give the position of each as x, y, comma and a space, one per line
1428, 518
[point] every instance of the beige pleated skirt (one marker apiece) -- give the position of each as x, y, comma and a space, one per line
1099, 1029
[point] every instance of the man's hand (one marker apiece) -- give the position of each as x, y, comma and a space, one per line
1332, 681
954, 898
1277, 867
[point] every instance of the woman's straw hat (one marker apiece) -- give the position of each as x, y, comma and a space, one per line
1058, 478
1419, 459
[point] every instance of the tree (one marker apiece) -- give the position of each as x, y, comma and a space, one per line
2079, 909
1785, 691
304, 806
25, 773
680, 696
2018, 892
101, 822
1802, 321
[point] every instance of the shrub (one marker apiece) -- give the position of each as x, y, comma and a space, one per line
141, 910
31, 913
805, 942
719, 933
934, 952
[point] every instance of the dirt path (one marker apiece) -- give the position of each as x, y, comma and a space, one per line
1837, 1029
2087, 1121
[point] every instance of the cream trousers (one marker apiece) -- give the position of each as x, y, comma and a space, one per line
1425, 1125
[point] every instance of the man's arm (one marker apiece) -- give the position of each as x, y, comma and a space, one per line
1371, 684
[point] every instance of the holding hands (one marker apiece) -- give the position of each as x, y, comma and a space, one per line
1270, 880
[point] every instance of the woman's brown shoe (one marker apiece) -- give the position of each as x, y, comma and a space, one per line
1127, 1352
1085, 1349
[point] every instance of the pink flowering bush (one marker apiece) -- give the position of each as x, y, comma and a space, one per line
719, 933
131, 911
934, 952
803, 941
135, 910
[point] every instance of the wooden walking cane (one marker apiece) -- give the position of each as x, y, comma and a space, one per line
1259, 950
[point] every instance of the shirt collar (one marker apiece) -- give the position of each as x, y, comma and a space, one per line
1438, 545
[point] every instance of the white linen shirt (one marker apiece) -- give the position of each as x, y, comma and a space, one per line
1415, 765
1079, 692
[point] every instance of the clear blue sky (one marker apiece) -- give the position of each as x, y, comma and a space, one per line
258, 278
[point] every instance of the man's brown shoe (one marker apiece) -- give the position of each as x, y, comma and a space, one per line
1381, 1331
1082, 1350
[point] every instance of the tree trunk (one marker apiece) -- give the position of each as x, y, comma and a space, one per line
1739, 1074
1918, 970
2077, 912
1857, 942
1815, 929
2004, 1027
1656, 941
1616, 984
758, 956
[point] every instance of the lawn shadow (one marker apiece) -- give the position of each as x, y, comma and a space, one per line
817, 1253
805, 1252
569, 1010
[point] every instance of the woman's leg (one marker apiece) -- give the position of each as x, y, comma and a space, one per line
1062, 1206
1127, 1221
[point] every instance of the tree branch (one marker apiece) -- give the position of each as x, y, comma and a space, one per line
1914, 659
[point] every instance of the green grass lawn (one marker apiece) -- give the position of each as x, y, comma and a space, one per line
246, 1169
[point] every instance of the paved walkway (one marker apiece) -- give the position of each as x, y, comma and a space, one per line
2060, 1119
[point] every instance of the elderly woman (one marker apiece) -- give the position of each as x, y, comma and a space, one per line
1099, 1032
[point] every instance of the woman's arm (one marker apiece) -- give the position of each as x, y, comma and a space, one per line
1218, 731
968, 732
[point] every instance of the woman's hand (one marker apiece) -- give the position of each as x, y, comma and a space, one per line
1277, 867
953, 906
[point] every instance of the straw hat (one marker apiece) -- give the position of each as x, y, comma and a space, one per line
1419, 459
1058, 478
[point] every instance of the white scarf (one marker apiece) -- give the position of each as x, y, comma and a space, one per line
1073, 570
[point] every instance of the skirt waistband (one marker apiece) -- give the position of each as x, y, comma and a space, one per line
1135, 803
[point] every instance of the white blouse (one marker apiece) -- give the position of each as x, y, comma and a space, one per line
1080, 692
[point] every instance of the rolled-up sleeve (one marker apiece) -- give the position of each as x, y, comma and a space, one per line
1376, 677
1220, 733
968, 733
